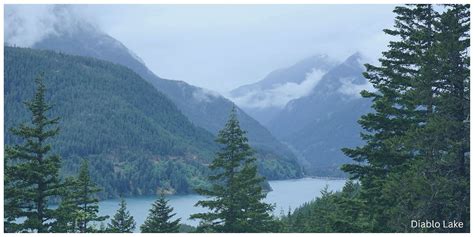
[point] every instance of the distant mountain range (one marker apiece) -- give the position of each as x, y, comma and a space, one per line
206, 109
266, 98
318, 122
309, 110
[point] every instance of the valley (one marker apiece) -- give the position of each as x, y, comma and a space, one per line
244, 119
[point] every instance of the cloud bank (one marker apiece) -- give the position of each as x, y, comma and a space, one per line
352, 89
26, 25
221, 47
280, 94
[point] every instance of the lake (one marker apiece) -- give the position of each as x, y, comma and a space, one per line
286, 194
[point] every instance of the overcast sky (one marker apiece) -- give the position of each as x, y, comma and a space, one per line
221, 47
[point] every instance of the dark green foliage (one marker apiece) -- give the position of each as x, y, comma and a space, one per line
31, 172
79, 207
67, 220
436, 181
415, 163
122, 222
183, 228
159, 218
236, 192
203, 108
332, 212
136, 140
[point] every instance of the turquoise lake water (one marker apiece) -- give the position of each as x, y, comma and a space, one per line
286, 194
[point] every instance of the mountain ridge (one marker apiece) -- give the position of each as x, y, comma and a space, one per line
266, 98
135, 138
204, 110
320, 124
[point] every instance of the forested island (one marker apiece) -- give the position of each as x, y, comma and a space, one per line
411, 172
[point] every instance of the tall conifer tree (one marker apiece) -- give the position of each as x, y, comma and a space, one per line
31, 172
79, 206
236, 194
418, 123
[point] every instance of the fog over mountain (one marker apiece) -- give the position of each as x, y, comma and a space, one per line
318, 125
218, 47
204, 108
311, 103
319, 120
265, 98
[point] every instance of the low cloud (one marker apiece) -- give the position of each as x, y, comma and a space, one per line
280, 94
204, 95
202, 38
352, 89
26, 25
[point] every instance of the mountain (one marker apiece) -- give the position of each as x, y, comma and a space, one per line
204, 108
266, 98
319, 124
135, 138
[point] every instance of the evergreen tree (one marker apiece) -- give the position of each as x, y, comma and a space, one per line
88, 205
159, 218
237, 194
453, 109
67, 211
122, 221
31, 172
436, 184
417, 136
12, 208
79, 207
331, 212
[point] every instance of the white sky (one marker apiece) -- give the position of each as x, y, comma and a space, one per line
221, 47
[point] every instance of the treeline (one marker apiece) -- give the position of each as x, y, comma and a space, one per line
414, 165
135, 139
32, 181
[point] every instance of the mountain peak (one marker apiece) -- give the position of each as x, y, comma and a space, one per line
284, 84
357, 59
28, 25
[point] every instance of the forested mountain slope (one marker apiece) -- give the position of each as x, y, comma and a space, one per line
134, 137
204, 108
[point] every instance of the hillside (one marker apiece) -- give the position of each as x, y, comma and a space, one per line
318, 125
266, 98
204, 108
134, 136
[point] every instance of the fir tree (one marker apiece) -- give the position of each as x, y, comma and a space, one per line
31, 172
159, 218
236, 192
436, 184
67, 211
452, 121
417, 131
122, 222
88, 205
79, 207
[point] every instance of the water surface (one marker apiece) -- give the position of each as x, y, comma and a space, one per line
286, 194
